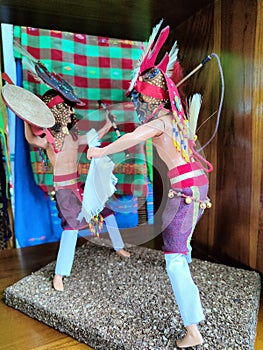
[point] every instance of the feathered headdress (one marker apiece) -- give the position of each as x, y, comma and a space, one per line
184, 129
137, 68
170, 69
52, 79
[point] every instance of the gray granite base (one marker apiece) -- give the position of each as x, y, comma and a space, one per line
110, 303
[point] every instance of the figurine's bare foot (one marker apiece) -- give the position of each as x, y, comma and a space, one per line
123, 253
58, 283
192, 338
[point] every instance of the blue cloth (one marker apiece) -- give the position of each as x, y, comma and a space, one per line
34, 211
125, 210
150, 203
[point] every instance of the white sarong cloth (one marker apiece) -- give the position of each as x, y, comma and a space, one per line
100, 182
99, 187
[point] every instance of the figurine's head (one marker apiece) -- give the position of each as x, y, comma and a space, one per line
149, 93
152, 88
63, 112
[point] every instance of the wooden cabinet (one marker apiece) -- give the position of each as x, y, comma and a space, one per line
232, 230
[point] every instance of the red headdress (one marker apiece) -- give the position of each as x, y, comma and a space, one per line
156, 91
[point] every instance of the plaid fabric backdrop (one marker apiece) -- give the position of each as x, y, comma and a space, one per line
98, 68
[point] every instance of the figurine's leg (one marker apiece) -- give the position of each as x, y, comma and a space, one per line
65, 257
187, 298
189, 253
115, 236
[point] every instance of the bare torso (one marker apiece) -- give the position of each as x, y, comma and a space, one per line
66, 161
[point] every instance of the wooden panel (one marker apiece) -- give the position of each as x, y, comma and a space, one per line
124, 19
237, 146
231, 231
256, 242
259, 249
196, 40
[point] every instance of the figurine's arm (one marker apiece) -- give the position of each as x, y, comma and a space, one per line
84, 140
106, 127
140, 134
33, 139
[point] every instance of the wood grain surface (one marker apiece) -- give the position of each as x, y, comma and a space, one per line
233, 29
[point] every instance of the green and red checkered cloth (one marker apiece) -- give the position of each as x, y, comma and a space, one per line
98, 68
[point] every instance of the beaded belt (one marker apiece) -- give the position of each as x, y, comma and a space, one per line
189, 199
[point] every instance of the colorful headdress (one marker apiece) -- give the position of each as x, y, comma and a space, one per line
147, 87
154, 81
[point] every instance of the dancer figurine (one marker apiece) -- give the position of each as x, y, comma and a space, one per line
62, 150
160, 111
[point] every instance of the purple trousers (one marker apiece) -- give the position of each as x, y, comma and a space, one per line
179, 218
69, 202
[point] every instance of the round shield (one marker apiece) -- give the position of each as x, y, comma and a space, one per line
27, 106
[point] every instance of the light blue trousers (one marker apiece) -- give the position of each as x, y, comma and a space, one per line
66, 252
68, 243
185, 290
114, 233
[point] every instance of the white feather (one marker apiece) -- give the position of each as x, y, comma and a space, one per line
29, 66
23, 52
28, 60
193, 113
136, 69
172, 59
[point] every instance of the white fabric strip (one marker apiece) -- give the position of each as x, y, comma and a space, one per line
191, 174
65, 183
99, 187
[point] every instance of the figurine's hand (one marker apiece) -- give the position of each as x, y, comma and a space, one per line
110, 119
94, 152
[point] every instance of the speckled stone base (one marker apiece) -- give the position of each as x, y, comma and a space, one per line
110, 303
